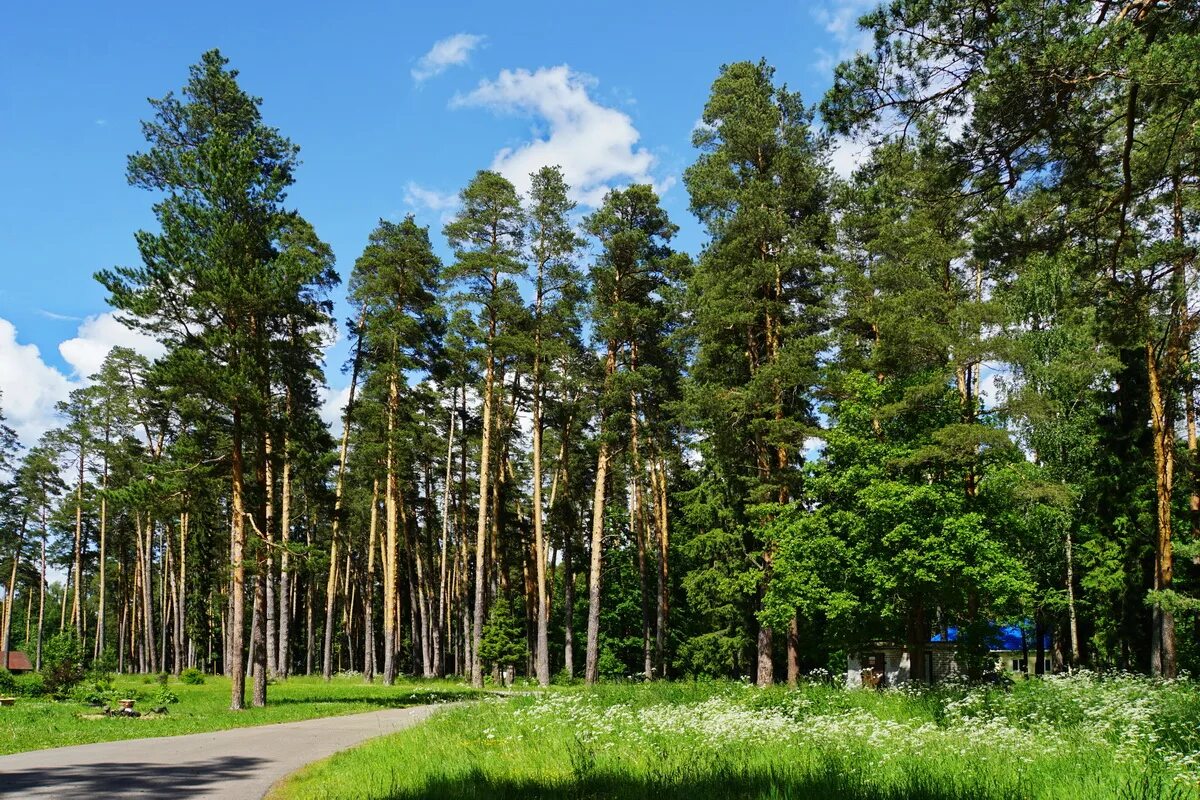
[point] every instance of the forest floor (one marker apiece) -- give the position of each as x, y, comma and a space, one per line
33, 724
1082, 736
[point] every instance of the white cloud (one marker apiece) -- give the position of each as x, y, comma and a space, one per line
848, 154
333, 407
443, 204
840, 21
96, 336
595, 145
31, 387
445, 53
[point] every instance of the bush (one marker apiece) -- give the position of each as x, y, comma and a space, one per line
191, 676
503, 642
99, 691
62, 663
163, 697
31, 684
8, 682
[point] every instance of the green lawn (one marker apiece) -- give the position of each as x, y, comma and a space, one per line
32, 724
1083, 737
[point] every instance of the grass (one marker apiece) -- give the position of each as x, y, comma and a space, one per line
32, 724
1087, 737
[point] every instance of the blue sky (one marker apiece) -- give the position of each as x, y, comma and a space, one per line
388, 123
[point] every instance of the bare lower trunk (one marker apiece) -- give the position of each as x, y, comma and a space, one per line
283, 660
267, 561
444, 621
592, 656
1073, 621
331, 583
41, 599
541, 653
481, 523
76, 604
659, 484
765, 675
391, 499
1163, 662
237, 615
102, 571
793, 651
369, 649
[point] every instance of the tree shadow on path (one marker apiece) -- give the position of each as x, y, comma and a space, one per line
177, 781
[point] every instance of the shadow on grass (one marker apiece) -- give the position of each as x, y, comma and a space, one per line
177, 781
741, 784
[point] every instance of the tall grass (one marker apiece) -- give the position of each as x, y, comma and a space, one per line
1081, 737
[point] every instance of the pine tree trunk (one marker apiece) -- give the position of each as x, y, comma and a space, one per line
1162, 633
267, 562
283, 660
637, 519
369, 649
444, 618
147, 569
793, 651
331, 583
181, 592
391, 499
76, 605
663, 529
41, 599
237, 617
542, 608
592, 654
591, 668
481, 526
1073, 621
10, 594
102, 568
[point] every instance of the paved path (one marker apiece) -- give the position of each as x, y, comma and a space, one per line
237, 764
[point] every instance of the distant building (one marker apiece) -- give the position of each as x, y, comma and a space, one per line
888, 664
15, 661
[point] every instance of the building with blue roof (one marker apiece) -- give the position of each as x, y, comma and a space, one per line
884, 664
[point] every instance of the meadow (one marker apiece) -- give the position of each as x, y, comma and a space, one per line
33, 723
1082, 736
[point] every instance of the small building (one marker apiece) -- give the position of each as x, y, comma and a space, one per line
881, 665
888, 664
15, 661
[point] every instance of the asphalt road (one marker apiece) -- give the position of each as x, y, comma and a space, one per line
237, 764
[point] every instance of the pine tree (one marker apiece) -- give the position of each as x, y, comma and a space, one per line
629, 281
553, 244
394, 281
210, 285
487, 236
760, 185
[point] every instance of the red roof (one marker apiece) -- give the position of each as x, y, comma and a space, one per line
15, 661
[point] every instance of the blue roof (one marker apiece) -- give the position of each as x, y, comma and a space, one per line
1004, 637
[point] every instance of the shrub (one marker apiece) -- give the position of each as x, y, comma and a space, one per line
62, 663
31, 684
163, 697
8, 682
99, 691
503, 642
191, 676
